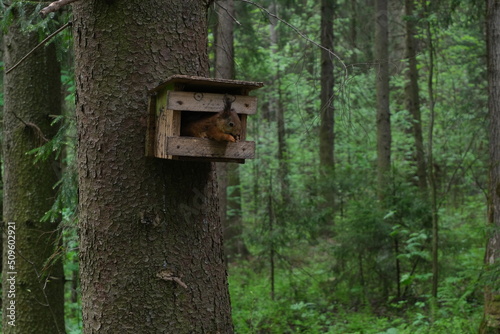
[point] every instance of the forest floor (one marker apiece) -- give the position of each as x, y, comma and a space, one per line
308, 297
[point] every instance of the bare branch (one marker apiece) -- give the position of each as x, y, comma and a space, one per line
38, 133
301, 34
55, 6
38, 46
167, 275
36, 130
227, 12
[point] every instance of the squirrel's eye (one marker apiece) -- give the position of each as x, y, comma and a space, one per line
231, 124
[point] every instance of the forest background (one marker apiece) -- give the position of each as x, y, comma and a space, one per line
303, 259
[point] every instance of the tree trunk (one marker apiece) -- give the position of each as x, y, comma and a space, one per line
382, 87
432, 174
233, 232
491, 320
412, 96
353, 31
151, 253
228, 174
396, 36
282, 146
33, 279
326, 132
277, 108
224, 50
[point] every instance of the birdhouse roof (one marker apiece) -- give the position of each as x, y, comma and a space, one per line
202, 84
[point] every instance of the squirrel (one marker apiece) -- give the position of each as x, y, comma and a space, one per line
223, 126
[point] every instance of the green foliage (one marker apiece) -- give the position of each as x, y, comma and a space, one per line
72, 292
372, 272
374, 275
62, 148
26, 13
305, 305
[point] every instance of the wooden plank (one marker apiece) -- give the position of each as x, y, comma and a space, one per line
161, 125
201, 147
161, 137
190, 101
194, 83
168, 125
173, 123
239, 161
243, 134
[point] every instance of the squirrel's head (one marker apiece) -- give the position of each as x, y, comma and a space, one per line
230, 123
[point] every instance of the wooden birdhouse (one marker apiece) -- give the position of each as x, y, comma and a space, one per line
182, 98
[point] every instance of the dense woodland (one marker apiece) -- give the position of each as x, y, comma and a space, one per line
364, 211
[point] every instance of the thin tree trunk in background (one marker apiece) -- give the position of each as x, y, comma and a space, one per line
491, 319
412, 96
228, 174
282, 147
277, 108
327, 112
432, 176
224, 68
1, 153
398, 267
382, 88
362, 281
272, 251
151, 252
233, 233
224, 40
353, 31
31, 94
396, 36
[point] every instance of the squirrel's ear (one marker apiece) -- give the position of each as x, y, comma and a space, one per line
227, 104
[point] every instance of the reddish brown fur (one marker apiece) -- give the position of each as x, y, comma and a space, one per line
223, 126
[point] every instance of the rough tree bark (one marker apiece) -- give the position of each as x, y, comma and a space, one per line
33, 283
491, 320
151, 252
